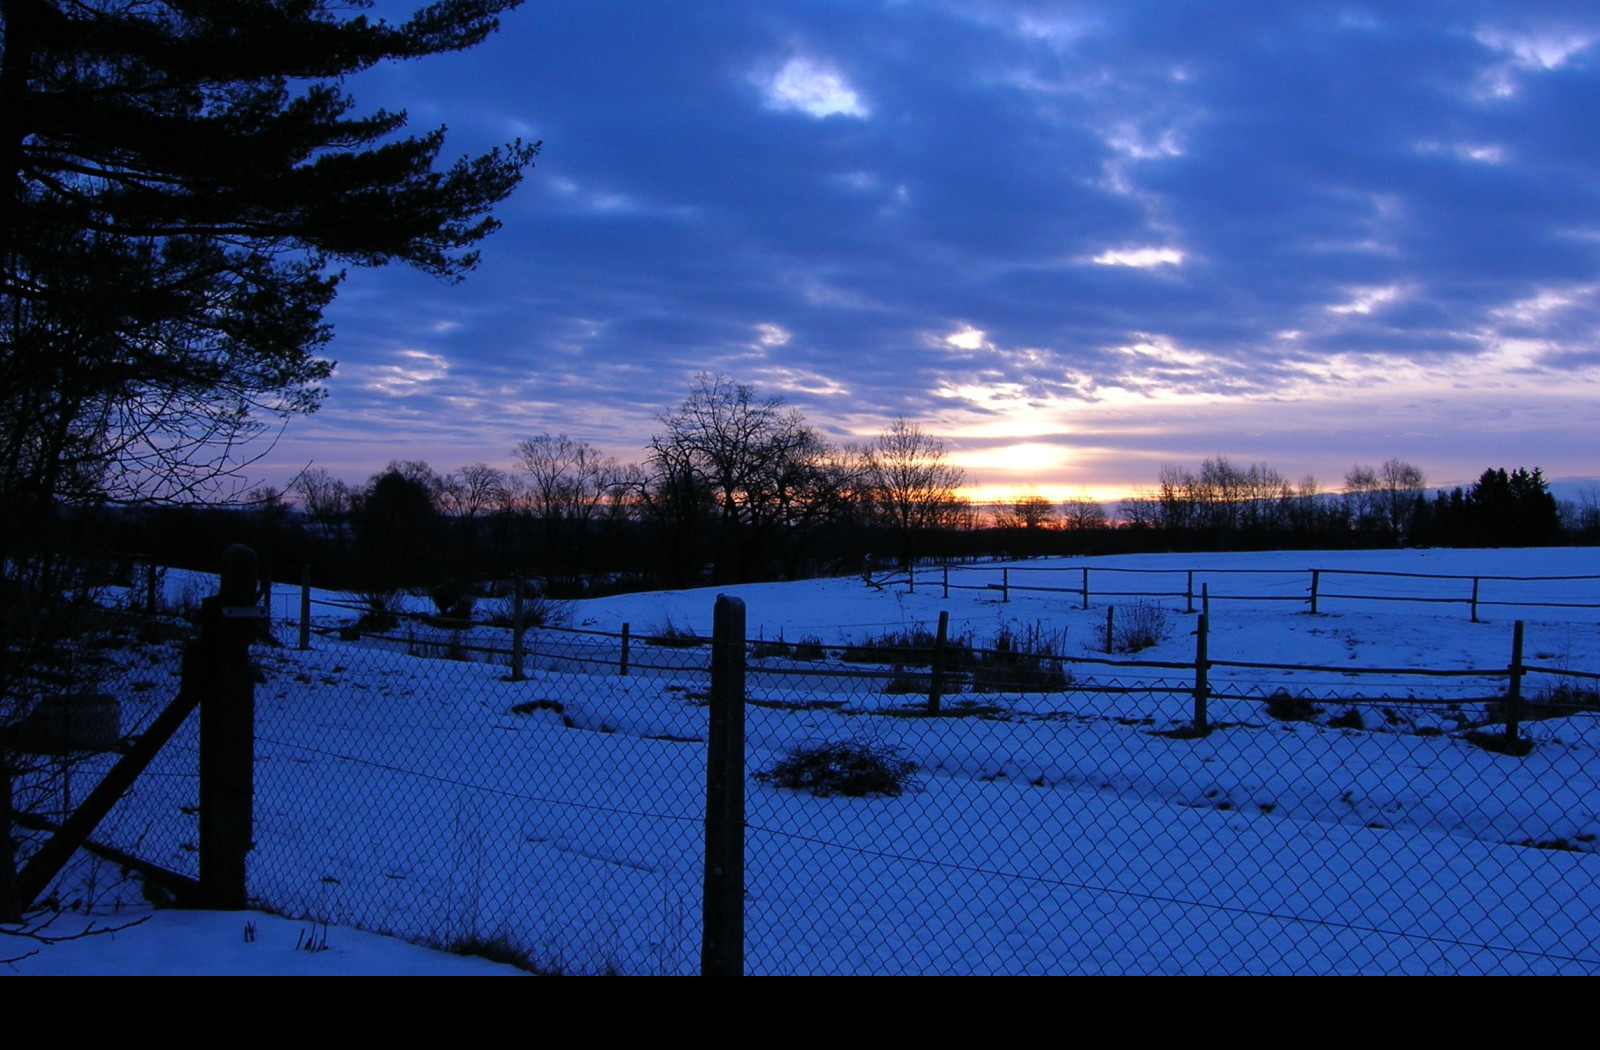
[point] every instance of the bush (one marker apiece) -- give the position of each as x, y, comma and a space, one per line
382, 611
761, 648
538, 610
669, 635
453, 599
1286, 708
1020, 661
1139, 626
854, 768
809, 648
910, 648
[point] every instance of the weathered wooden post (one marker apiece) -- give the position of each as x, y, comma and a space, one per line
936, 664
518, 625
227, 735
1514, 687
1316, 576
622, 667
1475, 599
1202, 667
1111, 612
1205, 599
947, 580
1085, 588
722, 918
305, 606
1005, 585
1188, 593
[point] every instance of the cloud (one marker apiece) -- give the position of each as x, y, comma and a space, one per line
812, 88
1039, 219
1140, 258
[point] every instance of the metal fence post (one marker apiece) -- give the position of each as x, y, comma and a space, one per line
722, 919
937, 663
1201, 668
227, 737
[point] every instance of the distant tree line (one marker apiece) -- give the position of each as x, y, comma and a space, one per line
735, 487
1223, 505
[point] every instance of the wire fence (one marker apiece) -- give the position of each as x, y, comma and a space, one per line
1320, 590
1045, 815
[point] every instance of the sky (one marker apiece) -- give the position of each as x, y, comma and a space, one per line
1076, 241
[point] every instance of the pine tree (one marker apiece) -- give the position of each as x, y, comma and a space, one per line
183, 181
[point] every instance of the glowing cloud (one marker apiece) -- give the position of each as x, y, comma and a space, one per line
414, 370
968, 338
1140, 258
1366, 300
772, 335
813, 89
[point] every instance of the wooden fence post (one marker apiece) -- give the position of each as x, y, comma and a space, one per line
1514, 686
1188, 594
722, 918
1005, 585
150, 586
1315, 579
227, 736
305, 607
1202, 666
1475, 599
518, 626
622, 665
937, 663
911, 577
1205, 599
1110, 633
1086, 588
947, 580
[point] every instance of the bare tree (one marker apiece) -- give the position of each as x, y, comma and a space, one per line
1383, 499
1027, 511
474, 489
324, 498
912, 485
1083, 513
756, 464
566, 481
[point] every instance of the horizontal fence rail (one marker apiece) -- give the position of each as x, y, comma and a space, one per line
1101, 582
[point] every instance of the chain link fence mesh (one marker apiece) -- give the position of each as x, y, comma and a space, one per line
1051, 815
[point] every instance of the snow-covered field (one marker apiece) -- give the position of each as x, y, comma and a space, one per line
1045, 832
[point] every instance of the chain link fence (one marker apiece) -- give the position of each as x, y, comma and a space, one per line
1045, 815
910, 806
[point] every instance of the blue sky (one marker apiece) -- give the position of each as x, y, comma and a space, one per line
1075, 240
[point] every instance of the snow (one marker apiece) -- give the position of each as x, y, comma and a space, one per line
1047, 833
